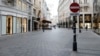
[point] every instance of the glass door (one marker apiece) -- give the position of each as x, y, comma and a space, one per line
9, 25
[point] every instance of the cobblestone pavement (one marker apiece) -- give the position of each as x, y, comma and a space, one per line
88, 44
56, 42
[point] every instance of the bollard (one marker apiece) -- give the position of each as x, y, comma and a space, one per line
79, 30
74, 43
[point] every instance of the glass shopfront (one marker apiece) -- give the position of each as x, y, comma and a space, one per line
24, 25
9, 25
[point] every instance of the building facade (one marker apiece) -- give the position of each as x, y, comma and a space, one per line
96, 20
85, 17
45, 14
37, 14
45, 10
64, 13
15, 16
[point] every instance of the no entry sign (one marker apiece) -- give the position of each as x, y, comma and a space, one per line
74, 7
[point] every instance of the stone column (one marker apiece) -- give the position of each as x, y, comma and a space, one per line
78, 21
83, 21
92, 21
0, 24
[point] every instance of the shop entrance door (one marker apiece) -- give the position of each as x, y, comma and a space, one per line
9, 25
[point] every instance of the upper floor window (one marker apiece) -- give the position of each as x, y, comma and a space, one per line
30, 0
80, 9
19, 4
80, 1
9, 2
85, 1
85, 9
24, 6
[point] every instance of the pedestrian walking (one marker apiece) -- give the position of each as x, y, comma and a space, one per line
79, 30
43, 26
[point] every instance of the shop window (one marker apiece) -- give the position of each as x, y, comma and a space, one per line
29, 21
9, 25
24, 22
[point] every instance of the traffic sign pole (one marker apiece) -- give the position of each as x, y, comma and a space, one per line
74, 7
74, 36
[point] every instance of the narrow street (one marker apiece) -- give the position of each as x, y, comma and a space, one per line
54, 42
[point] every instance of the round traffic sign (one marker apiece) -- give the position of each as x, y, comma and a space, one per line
74, 7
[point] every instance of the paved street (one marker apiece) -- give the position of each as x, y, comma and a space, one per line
56, 42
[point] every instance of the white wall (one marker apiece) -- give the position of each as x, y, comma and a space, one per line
3, 24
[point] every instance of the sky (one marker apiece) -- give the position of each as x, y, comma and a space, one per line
53, 6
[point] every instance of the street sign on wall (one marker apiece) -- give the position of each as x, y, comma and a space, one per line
74, 7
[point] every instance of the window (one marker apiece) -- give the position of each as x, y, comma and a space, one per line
19, 4
80, 1
24, 6
80, 9
34, 11
85, 1
85, 9
9, 2
30, 0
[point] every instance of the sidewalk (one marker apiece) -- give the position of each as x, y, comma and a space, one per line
97, 31
88, 44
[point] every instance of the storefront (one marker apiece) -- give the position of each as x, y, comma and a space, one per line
13, 22
24, 25
85, 20
9, 24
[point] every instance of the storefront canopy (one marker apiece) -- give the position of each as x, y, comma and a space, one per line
46, 21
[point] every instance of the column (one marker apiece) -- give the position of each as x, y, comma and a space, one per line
0, 24
78, 21
92, 21
83, 21
14, 25
30, 24
3, 18
67, 22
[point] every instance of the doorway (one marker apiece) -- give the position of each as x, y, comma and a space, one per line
24, 25
35, 25
9, 25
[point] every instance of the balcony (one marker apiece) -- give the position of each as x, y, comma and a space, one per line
84, 5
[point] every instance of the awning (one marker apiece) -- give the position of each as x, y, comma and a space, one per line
46, 21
